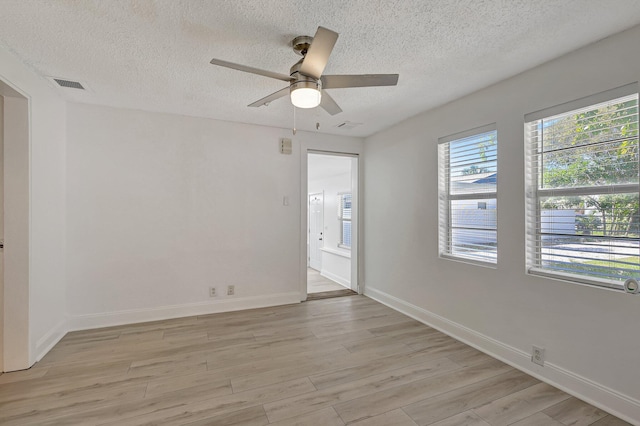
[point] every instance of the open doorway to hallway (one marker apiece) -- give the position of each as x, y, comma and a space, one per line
331, 225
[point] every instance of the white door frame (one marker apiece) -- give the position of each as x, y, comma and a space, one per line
17, 353
357, 265
1, 233
309, 236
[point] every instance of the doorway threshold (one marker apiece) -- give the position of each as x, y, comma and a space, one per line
331, 294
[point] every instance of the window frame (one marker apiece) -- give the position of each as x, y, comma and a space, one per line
534, 193
445, 229
341, 218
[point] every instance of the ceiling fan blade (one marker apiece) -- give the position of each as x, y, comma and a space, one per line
251, 70
363, 80
329, 104
271, 97
318, 54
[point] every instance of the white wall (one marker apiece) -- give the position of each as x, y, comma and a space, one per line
592, 335
37, 299
160, 207
336, 261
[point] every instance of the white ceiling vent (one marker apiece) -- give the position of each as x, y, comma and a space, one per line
70, 84
348, 125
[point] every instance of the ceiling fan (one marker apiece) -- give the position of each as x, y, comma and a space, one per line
307, 85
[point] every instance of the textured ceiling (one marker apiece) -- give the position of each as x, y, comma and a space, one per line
154, 55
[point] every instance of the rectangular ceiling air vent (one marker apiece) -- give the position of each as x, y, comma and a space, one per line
69, 83
348, 125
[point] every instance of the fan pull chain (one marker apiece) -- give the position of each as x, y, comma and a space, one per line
294, 120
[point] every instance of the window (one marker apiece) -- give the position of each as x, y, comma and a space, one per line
468, 195
583, 218
344, 216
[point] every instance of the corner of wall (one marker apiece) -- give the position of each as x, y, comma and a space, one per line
44, 307
109, 319
49, 340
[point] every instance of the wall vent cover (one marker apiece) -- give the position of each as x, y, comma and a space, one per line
69, 83
347, 125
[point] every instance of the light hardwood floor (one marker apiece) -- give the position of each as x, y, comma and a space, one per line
328, 362
316, 283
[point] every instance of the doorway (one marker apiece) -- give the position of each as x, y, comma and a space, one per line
332, 195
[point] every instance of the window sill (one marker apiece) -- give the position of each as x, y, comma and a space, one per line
490, 265
577, 279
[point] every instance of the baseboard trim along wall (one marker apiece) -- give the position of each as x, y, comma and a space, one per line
618, 404
109, 319
336, 278
49, 340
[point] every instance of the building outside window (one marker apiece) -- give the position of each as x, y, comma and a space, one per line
583, 217
468, 176
344, 216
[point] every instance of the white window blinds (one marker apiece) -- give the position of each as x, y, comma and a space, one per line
583, 217
344, 215
468, 173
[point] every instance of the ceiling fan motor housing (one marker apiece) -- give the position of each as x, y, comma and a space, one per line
303, 81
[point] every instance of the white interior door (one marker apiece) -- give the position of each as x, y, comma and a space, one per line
316, 229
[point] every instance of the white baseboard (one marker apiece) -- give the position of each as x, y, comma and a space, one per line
49, 340
108, 319
336, 278
616, 403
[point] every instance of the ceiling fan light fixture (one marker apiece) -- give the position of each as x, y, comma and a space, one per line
306, 94
306, 80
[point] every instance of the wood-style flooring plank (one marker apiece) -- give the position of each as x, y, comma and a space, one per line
62, 386
41, 410
360, 370
537, 419
519, 405
311, 401
22, 375
467, 418
185, 410
573, 412
252, 416
611, 421
395, 418
327, 362
399, 396
445, 405
468, 357
324, 417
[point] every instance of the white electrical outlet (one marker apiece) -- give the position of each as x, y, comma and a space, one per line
537, 355
231, 290
212, 292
